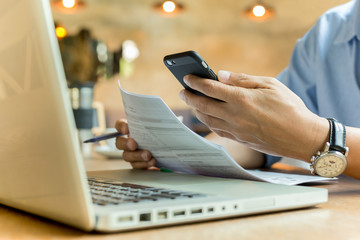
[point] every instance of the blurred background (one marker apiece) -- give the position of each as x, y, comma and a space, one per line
102, 41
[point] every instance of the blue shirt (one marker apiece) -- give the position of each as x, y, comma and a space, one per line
324, 70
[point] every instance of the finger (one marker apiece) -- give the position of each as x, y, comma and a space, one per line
243, 80
212, 122
146, 165
124, 143
137, 156
203, 104
121, 125
211, 88
225, 129
223, 134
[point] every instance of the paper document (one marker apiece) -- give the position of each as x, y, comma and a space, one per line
156, 128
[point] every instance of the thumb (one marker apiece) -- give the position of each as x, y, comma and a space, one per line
241, 80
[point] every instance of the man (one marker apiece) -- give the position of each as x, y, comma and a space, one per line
261, 117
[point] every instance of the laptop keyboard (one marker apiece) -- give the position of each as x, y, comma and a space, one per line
114, 193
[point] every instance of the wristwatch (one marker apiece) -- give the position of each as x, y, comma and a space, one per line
332, 161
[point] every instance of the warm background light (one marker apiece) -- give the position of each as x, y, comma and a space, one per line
68, 6
68, 3
60, 32
169, 6
259, 10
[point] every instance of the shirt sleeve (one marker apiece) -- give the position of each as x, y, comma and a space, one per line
300, 75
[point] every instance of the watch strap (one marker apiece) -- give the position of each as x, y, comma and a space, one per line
337, 136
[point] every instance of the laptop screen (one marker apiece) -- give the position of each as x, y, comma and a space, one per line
41, 168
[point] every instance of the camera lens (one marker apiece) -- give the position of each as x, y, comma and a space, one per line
173, 62
169, 62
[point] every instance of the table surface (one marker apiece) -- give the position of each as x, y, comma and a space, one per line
339, 218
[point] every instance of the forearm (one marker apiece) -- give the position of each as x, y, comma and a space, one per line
244, 156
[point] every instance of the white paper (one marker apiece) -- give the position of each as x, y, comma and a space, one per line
287, 179
156, 128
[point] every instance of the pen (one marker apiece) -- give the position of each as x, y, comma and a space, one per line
104, 137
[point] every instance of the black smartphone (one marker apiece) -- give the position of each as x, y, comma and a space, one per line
190, 62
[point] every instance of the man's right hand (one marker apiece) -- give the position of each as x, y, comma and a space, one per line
136, 157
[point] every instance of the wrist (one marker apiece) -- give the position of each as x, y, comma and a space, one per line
320, 132
331, 161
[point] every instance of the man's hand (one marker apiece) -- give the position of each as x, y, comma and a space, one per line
259, 112
137, 158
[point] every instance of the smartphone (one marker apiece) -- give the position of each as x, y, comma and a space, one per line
190, 62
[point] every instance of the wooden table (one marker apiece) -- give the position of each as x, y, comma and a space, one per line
339, 218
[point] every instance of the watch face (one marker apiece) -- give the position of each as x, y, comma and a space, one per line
331, 164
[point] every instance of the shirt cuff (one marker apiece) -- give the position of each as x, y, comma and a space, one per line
270, 160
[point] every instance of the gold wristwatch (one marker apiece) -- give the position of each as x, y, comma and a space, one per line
332, 161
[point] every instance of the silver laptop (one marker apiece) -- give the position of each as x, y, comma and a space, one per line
41, 166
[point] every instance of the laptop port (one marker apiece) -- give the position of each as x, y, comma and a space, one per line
145, 217
162, 215
210, 210
179, 213
125, 219
196, 211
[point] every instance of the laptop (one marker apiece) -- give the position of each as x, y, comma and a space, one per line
41, 166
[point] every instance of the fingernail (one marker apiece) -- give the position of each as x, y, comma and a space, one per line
145, 156
186, 80
181, 95
224, 75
